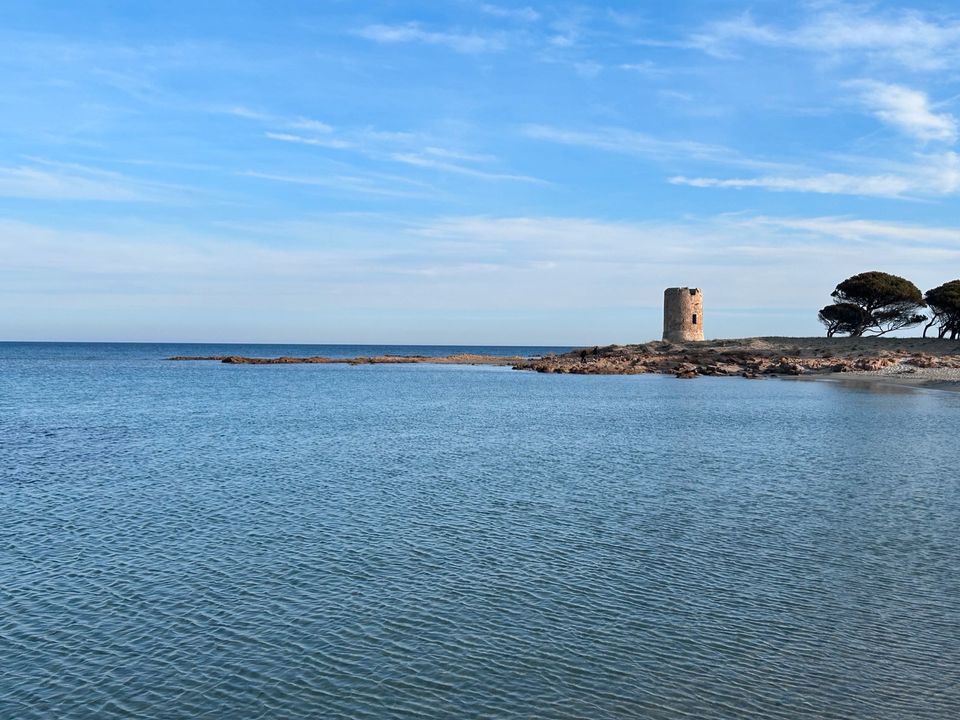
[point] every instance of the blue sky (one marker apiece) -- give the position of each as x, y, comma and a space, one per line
466, 172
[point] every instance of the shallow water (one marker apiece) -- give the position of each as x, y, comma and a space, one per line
416, 541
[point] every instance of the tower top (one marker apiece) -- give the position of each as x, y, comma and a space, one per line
676, 290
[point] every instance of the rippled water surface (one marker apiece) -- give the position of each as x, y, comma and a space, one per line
187, 540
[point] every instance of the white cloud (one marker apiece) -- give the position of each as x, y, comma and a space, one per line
629, 142
908, 110
245, 112
930, 175
459, 155
297, 123
906, 37
574, 271
467, 43
645, 67
857, 230
425, 161
385, 146
347, 184
829, 183
316, 141
57, 181
308, 124
413, 149
522, 14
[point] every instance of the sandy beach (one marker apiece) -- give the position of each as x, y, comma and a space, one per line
896, 376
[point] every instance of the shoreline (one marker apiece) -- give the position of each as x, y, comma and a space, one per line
911, 359
457, 359
906, 362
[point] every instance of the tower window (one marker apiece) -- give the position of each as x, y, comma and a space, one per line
694, 318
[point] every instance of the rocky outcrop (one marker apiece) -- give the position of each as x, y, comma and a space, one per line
752, 358
749, 358
460, 359
922, 361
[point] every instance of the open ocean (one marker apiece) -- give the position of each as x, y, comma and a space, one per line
199, 540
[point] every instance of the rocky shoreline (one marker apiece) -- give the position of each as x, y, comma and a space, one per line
759, 357
915, 359
459, 359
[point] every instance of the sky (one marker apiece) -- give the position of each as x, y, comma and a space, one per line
466, 172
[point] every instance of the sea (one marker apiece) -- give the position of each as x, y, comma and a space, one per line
201, 540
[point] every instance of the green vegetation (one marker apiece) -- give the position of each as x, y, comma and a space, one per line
873, 303
844, 318
944, 304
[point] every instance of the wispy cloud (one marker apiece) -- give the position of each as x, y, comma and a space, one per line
860, 230
411, 149
645, 67
340, 182
434, 163
911, 38
931, 175
295, 123
574, 269
309, 124
827, 183
522, 14
242, 111
721, 253
467, 43
334, 143
908, 110
459, 155
630, 142
57, 181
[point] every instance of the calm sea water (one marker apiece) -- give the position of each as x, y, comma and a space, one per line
198, 540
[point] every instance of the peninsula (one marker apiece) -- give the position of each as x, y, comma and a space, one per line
916, 361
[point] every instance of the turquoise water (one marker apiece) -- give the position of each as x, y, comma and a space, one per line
199, 540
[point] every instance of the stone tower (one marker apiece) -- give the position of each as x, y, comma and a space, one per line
682, 314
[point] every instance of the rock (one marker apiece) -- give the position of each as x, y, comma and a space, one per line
873, 364
686, 371
922, 361
785, 367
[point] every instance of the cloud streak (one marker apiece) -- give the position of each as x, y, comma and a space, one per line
433, 163
521, 14
405, 148
827, 183
908, 111
339, 182
45, 180
905, 37
466, 43
333, 143
930, 176
629, 142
